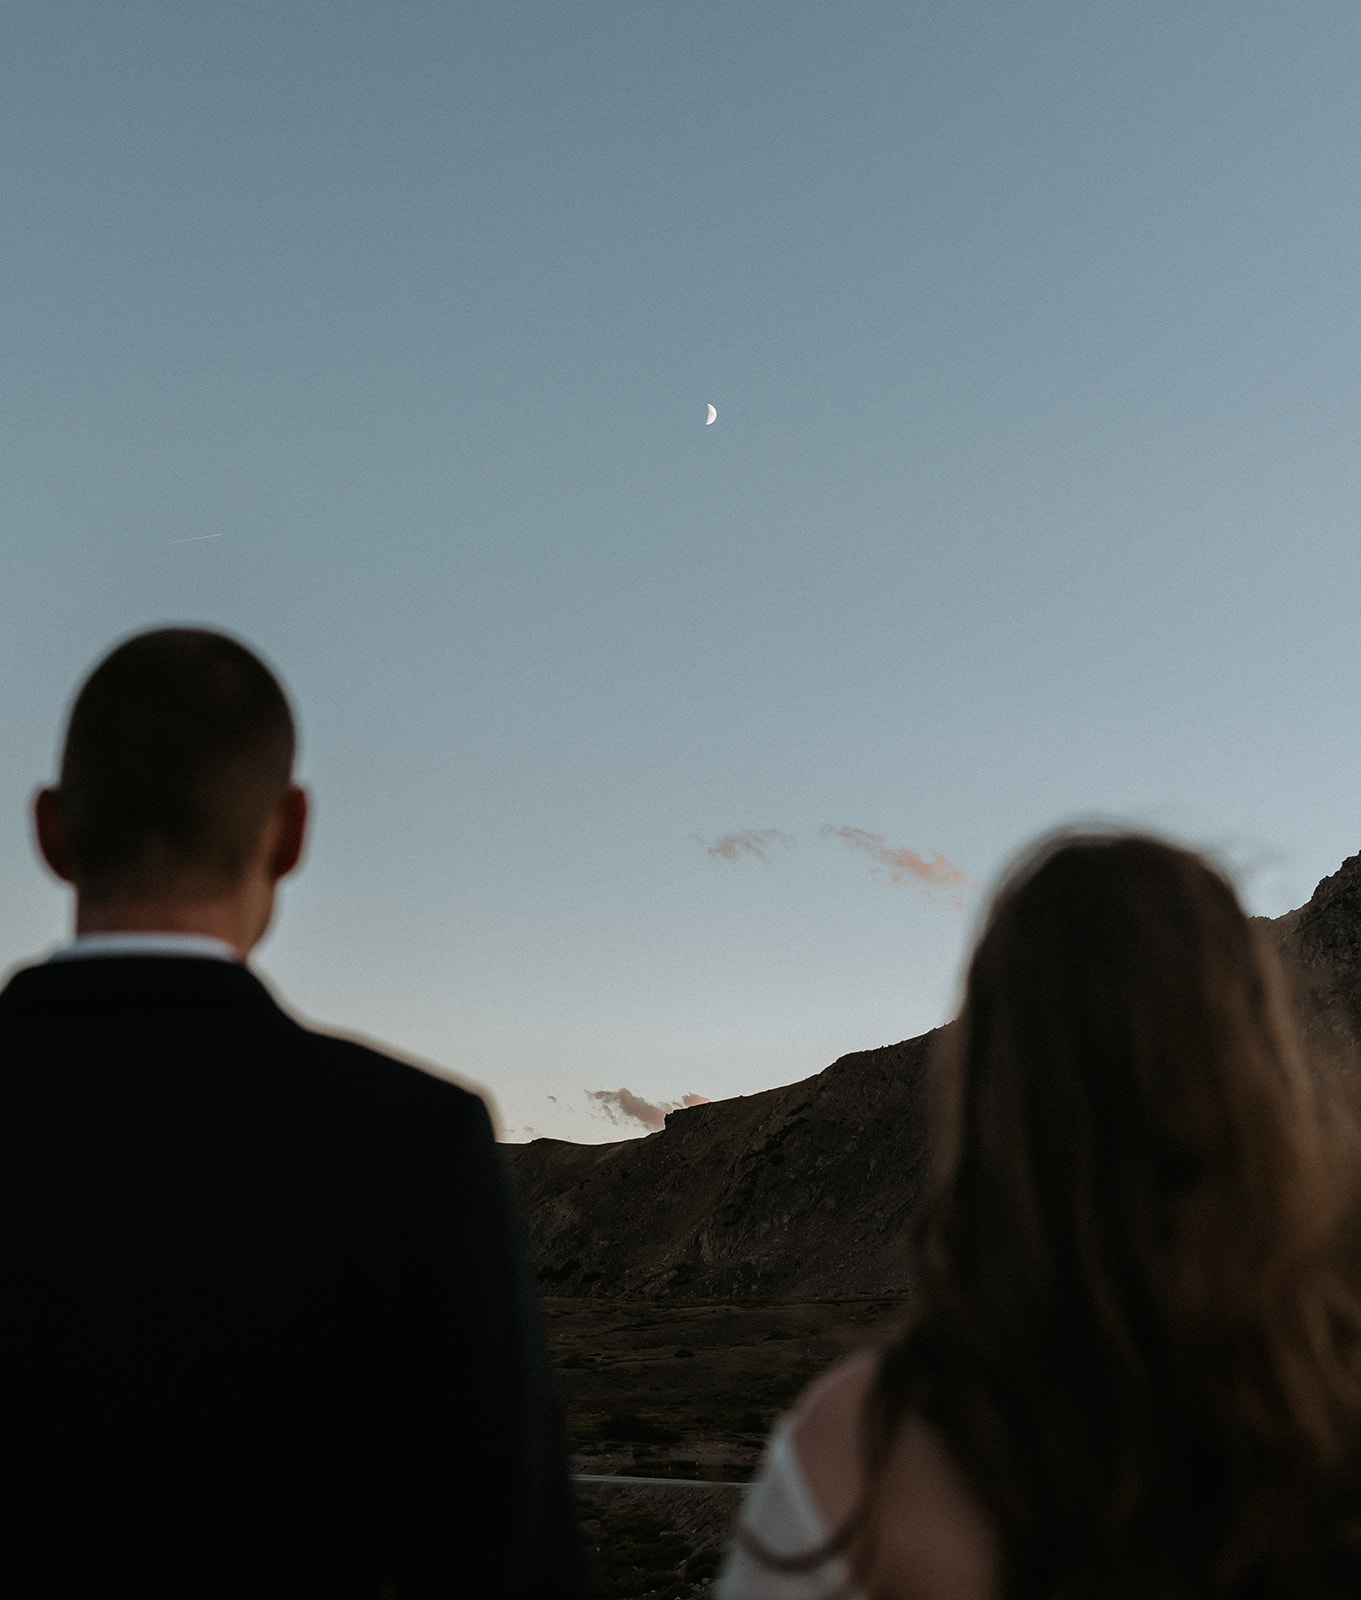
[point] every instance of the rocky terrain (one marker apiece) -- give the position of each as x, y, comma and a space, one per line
804, 1190
1320, 945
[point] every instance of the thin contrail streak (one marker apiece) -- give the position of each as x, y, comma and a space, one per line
198, 538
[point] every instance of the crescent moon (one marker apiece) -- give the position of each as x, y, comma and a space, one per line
713, 413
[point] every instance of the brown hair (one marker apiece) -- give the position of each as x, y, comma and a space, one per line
1135, 1332
179, 742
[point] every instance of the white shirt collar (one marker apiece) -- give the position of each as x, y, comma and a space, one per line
89, 946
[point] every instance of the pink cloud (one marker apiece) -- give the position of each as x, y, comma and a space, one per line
622, 1106
901, 864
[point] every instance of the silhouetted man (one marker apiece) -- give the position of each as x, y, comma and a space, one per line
265, 1328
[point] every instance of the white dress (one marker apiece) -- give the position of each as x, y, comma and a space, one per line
781, 1512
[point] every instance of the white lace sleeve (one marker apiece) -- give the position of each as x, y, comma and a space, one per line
783, 1516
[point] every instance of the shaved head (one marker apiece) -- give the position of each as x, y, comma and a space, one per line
180, 743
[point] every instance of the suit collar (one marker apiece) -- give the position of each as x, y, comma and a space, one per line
153, 979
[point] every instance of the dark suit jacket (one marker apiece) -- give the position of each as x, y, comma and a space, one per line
265, 1327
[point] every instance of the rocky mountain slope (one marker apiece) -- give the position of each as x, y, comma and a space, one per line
801, 1190
805, 1190
1321, 948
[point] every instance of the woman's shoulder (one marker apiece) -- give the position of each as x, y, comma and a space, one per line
825, 1434
934, 1539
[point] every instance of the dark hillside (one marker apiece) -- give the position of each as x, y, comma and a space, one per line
802, 1190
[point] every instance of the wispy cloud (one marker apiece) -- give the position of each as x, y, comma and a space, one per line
623, 1107
900, 864
758, 842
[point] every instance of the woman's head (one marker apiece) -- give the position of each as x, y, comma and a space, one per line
1125, 1112
1128, 1272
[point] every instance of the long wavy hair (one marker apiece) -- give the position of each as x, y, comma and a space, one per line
1137, 1330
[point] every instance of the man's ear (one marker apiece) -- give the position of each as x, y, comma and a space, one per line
50, 827
290, 836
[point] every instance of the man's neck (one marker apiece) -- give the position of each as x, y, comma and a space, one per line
237, 919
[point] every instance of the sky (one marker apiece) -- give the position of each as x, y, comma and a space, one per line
652, 757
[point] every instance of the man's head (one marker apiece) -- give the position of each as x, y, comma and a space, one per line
176, 773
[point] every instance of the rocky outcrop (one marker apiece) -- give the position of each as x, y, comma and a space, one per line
806, 1190
1321, 948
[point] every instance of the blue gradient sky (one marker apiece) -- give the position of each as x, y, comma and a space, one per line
381, 335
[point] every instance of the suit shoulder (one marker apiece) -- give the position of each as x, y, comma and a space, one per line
374, 1077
